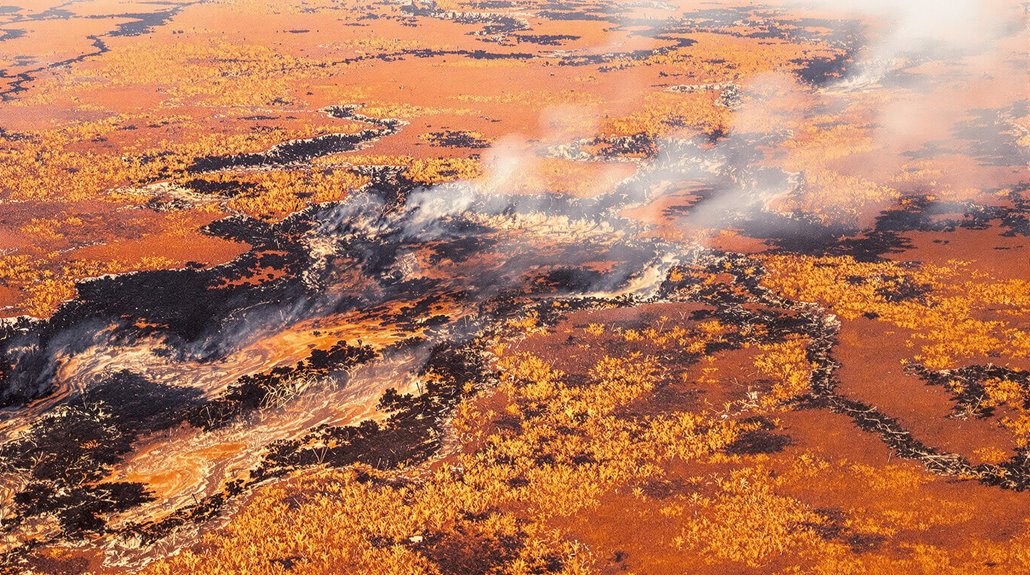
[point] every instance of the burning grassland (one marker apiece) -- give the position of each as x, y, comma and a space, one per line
513, 287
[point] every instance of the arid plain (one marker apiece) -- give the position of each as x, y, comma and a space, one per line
514, 286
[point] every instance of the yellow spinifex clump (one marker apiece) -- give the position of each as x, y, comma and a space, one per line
787, 364
748, 522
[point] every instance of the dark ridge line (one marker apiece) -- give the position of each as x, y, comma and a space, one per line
1013, 474
494, 24
429, 53
968, 400
717, 20
544, 39
456, 139
132, 28
307, 149
565, 60
27, 76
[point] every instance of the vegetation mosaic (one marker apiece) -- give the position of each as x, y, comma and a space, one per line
460, 287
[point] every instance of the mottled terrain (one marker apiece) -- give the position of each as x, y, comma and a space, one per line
525, 286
